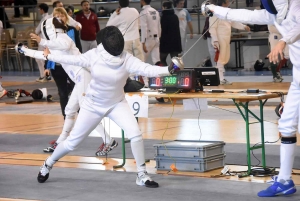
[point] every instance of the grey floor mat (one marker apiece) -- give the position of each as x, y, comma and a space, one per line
74, 184
235, 153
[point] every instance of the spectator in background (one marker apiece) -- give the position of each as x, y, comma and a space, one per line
150, 31
71, 31
43, 10
184, 21
127, 21
3, 17
71, 21
70, 12
220, 32
170, 42
90, 26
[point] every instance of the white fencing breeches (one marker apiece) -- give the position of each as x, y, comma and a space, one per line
82, 79
89, 117
289, 121
41, 62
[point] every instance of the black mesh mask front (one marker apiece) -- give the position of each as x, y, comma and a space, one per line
112, 40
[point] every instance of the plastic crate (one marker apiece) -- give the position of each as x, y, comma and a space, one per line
191, 164
189, 149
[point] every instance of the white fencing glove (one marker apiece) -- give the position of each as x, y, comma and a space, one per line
216, 45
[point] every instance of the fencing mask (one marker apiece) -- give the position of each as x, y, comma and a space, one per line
277, 7
39, 94
112, 40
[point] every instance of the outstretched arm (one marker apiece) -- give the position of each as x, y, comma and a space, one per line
244, 15
136, 66
82, 60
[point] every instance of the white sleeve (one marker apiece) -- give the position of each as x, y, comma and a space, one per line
57, 44
136, 66
143, 20
213, 24
294, 34
113, 20
74, 23
238, 25
244, 15
82, 60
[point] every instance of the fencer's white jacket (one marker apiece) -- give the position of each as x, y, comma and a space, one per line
109, 73
62, 45
289, 28
150, 23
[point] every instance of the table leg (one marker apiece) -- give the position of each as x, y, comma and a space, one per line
123, 150
260, 119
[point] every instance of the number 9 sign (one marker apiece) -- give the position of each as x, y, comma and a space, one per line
138, 104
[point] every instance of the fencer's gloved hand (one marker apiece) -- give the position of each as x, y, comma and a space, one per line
216, 45
18, 48
176, 65
207, 9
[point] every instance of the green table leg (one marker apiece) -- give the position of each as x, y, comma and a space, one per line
260, 119
123, 151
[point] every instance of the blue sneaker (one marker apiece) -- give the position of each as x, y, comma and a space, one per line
278, 188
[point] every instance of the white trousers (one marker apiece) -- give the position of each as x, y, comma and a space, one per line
82, 81
88, 45
90, 116
41, 62
135, 48
289, 121
152, 45
211, 51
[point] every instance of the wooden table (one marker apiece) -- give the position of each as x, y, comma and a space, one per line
241, 101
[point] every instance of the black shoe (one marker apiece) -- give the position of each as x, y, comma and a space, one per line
48, 77
43, 173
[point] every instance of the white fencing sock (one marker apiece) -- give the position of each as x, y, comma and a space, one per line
137, 148
58, 153
221, 69
287, 155
100, 129
68, 125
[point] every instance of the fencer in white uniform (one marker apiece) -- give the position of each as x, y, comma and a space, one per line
110, 68
220, 32
285, 15
274, 38
61, 44
150, 31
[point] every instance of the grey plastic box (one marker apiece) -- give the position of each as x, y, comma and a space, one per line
191, 164
189, 149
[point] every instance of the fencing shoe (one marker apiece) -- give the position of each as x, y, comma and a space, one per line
225, 82
44, 173
143, 179
105, 148
51, 148
283, 187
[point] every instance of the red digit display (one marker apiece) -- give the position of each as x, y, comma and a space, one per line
186, 81
157, 81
